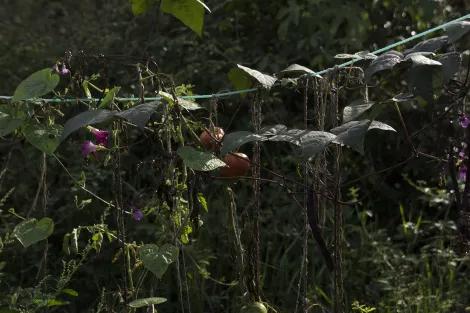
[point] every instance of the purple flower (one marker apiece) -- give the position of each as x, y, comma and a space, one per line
464, 122
462, 155
63, 70
138, 215
463, 173
101, 136
89, 147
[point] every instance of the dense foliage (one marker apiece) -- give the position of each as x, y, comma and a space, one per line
113, 205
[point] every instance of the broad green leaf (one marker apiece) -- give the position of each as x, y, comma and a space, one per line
36, 85
43, 137
144, 302
457, 30
139, 115
421, 81
10, 119
450, 65
109, 98
202, 200
383, 62
381, 126
142, 6
199, 160
265, 80
157, 259
313, 142
355, 109
86, 118
190, 12
352, 134
240, 80
185, 104
235, 140
56, 302
30, 231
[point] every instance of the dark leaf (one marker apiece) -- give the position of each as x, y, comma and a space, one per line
157, 259
430, 45
10, 119
86, 118
139, 115
450, 65
457, 30
235, 140
272, 130
292, 135
314, 142
240, 80
355, 109
383, 62
352, 134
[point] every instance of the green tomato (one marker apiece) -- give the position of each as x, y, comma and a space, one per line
256, 307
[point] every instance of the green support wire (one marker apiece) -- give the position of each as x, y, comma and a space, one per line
230, 93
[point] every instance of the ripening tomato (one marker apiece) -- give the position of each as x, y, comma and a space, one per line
256, 307
209, 142
238, 165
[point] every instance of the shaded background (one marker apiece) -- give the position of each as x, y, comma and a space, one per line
385, 266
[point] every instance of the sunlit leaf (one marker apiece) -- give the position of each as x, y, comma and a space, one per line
43, 137
109, 98
144, 302
355, 109
240, 80
157, 259
185, 104
384, 62
30, 231
457, 30
199, 160
190, 12
265, 80
314, 142
36, 85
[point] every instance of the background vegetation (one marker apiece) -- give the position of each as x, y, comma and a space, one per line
398, 255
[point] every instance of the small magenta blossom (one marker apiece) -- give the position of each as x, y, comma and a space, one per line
138, 215
89, 147
463, 173
464, 121
63, 70
462, 155
101, 136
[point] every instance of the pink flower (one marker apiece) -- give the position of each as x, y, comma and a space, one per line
464, 122
463, 173
101, 136
89, 147
63, 70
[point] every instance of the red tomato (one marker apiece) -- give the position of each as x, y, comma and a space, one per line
237, 165
208, 142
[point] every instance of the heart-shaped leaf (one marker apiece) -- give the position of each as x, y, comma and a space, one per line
157, 260
36, 85
314, 142
295, 69
139, 115
86, 118
383, 62
352, 134
190, 12
235, 140
10, 119
430, 45
457, 30
44, 137
355, 109
450, 65
381, 126
145, 302
265, 80
199, 160
30, 231
292, 136
240, 80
